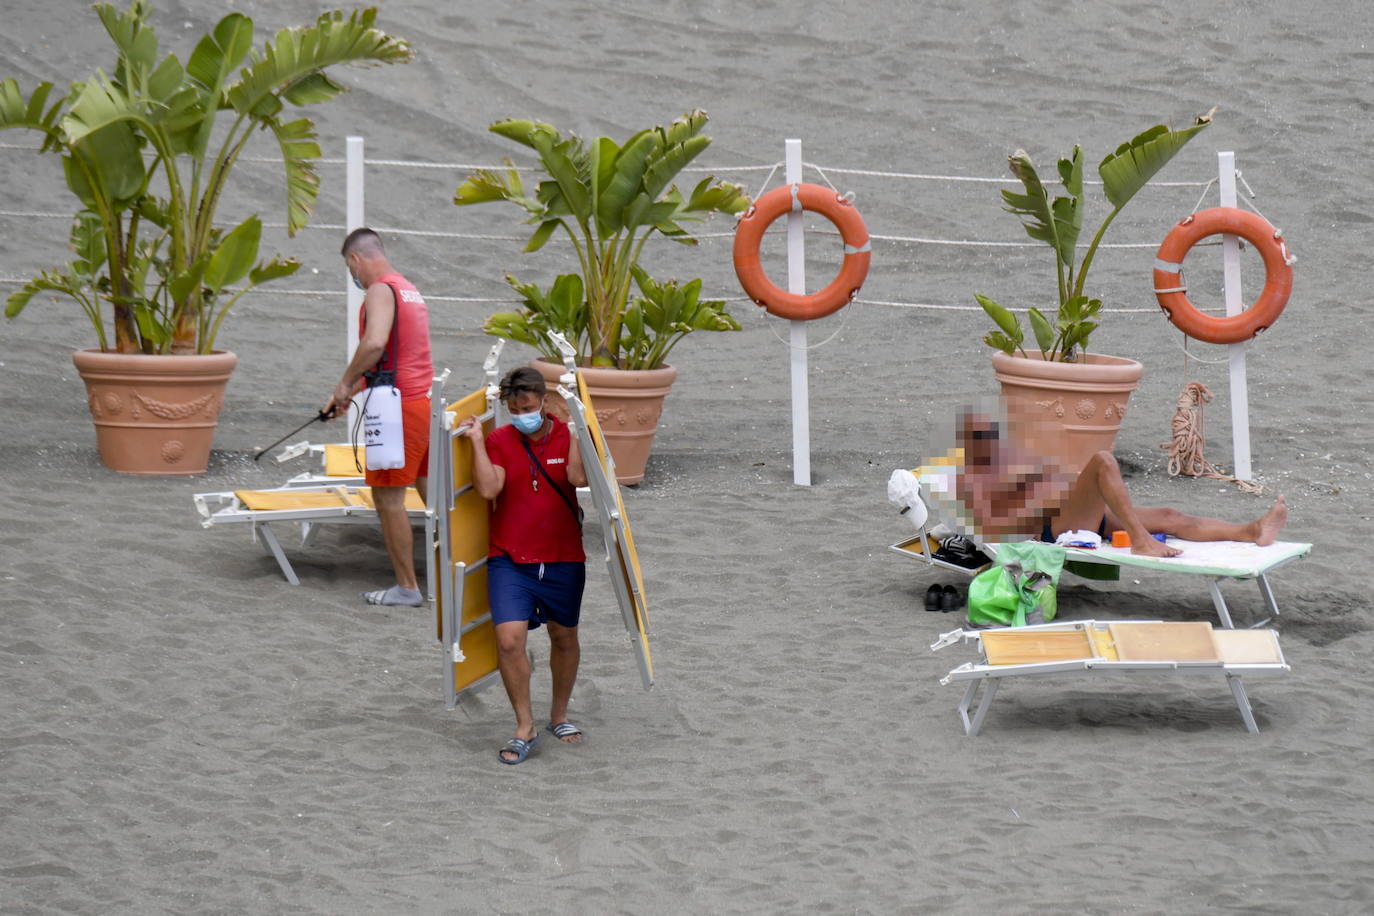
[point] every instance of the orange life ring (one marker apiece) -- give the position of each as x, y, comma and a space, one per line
837, 209
1173, 295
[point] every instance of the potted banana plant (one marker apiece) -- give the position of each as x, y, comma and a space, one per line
1063, 401
609, 199
145, 153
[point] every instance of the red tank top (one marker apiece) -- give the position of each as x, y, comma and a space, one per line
410, 337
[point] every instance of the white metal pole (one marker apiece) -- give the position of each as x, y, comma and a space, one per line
353, 183
796, 283
1230, 263
353, 200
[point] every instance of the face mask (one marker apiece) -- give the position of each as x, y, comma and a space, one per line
528, 423
358, 283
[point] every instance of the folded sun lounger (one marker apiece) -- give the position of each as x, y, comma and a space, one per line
1112, 647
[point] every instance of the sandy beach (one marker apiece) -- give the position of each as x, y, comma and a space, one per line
184, 732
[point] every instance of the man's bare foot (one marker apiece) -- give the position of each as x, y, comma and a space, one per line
1268, 526
1149, 547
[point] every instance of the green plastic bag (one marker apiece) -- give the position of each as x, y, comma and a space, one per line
1020, 589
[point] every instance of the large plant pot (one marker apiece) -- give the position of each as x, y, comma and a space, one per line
1066, 410
154, 415
628, 404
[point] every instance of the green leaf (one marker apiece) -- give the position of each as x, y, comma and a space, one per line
133, 37
150, 324
663, 168
87, 241
1040, 325
559, 160
312, 89
627, 176
1134, 163
335, 38
235, 255
541, 235
481, 187
524, 132
999, 341
1004, 319
1055, 223
298, 152
184, 285
274, 269
217, 54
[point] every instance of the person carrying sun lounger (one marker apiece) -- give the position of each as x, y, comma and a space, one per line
536, 568
393, 328
1006, 492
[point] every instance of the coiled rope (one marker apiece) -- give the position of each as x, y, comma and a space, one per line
1186, 449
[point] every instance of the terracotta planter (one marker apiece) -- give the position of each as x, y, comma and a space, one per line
154, 415
1069, 410
628, 404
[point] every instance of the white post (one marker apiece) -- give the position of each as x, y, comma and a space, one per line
796, 283
353, 218
1230, 263
353, 185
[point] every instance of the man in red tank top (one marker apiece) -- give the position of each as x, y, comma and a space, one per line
393, 334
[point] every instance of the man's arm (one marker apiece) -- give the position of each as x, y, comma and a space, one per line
488, 479
380, 308
577, 474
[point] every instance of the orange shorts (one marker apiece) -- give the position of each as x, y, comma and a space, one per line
415, 422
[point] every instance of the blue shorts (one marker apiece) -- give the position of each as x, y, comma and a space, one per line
535, 592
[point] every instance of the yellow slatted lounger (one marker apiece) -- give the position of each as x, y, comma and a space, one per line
1112, 647
337, 497
309, 507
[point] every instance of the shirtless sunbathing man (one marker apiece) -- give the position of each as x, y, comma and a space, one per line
1011, 492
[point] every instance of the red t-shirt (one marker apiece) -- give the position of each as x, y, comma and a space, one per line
413, 364
534, 525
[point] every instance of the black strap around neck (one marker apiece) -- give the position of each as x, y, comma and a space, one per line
567, 501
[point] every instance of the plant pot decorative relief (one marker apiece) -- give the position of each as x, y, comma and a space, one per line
628, 404
154, 415
1066, 410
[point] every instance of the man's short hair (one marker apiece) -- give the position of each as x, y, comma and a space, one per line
364, 241
522, 380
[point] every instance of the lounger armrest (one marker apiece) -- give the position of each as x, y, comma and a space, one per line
952, 637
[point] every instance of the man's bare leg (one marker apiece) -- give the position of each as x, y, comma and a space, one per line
564, 655
1262, 531
514, 665
396, 533
1100, 491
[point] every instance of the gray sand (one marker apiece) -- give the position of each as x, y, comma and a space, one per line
185, 733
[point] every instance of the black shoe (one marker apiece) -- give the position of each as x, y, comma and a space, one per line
933, 598
949, 599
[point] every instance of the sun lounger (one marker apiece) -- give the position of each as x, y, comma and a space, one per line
1217, 561
335, 497
1111, 647
336, 504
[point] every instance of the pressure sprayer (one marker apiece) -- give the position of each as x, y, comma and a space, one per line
380, 411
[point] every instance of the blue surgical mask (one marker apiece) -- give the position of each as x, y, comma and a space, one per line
528, 423
358, 283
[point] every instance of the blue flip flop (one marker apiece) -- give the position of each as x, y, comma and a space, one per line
519, 747
564, 730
